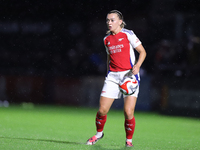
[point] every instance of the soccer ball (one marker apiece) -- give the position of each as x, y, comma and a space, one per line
128, 85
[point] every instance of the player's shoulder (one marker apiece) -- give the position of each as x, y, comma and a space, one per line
106, 36
127, 31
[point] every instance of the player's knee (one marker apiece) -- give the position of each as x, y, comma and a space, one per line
129, 113
102, 111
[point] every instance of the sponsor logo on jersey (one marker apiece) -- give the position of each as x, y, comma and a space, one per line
115, 48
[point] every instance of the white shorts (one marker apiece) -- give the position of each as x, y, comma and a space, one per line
111, 84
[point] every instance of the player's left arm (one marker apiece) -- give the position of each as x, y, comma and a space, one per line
142, 55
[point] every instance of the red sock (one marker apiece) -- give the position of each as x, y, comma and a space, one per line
129, 127
100, 122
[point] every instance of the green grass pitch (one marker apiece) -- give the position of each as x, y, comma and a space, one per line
68, 128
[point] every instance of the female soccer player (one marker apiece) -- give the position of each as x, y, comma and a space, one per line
120, 44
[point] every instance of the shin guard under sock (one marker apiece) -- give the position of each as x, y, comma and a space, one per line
100, 122
129, 127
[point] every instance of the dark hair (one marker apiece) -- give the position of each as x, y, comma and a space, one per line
119, 14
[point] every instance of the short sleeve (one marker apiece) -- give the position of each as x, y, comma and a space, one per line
134, 40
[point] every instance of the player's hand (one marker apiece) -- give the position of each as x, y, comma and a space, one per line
135, 69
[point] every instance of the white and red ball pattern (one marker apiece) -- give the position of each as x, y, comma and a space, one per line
128, 85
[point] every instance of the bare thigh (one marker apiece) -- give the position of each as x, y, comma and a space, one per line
129, 106
104, 105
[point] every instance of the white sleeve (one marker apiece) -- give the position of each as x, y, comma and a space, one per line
134, 41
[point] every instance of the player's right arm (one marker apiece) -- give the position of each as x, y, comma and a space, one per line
108, 62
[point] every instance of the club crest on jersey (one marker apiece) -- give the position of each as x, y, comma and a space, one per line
120, 39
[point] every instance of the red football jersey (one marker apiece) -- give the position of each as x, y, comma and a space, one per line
120, 47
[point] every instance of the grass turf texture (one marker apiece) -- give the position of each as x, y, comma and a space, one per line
68, 128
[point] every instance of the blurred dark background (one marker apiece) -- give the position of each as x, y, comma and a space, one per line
52, 52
